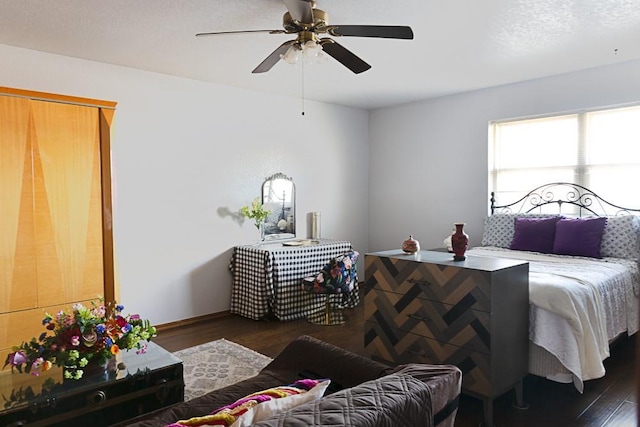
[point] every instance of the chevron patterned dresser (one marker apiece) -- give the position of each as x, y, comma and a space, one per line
427, 308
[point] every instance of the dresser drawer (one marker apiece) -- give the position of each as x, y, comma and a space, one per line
448, 284
458, 325
399, 347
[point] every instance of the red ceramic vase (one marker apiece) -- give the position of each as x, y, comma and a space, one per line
459, 242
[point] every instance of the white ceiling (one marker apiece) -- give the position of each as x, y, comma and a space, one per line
459, 45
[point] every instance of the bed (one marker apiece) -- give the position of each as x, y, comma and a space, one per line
584, 280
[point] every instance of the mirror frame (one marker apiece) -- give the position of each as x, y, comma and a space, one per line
290, 232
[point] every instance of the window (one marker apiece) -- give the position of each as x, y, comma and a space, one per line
599, 150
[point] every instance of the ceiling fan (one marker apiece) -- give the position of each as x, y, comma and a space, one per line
309, 23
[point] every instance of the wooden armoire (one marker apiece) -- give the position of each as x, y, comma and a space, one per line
56, 238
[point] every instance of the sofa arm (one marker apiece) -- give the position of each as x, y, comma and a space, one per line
445, 382
309, 357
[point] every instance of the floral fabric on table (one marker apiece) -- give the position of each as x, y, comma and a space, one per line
337, 276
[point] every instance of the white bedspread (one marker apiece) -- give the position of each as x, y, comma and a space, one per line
571, 288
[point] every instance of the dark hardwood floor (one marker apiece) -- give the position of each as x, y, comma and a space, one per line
609, 401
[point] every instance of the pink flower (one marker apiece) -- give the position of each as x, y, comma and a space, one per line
35, 367
17, 358
134, 317
99, 311
75, 340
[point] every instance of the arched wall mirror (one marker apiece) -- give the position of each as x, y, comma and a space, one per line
279, 197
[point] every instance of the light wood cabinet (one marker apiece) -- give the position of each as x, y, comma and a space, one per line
56, 245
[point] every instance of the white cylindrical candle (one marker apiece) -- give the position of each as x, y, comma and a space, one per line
315, 225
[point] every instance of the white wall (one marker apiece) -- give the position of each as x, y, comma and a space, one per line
428, 164
187, 155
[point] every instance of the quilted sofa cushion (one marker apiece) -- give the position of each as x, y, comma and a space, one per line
394, 400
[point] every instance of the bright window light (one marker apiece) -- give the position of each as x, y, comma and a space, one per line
597, 149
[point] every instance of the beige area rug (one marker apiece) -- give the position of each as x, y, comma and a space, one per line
217, 364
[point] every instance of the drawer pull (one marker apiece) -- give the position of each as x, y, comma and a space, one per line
419, 282
47, 403
418, 317
97, 398
162, 390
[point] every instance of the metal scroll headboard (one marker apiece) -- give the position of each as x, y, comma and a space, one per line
581, 199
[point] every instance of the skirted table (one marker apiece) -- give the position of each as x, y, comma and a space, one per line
267, 278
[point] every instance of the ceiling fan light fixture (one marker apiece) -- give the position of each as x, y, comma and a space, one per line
310, 52
292, 54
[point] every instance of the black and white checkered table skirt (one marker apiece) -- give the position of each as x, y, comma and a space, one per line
267, 279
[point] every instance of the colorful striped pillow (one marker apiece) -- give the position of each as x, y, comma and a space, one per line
261, 405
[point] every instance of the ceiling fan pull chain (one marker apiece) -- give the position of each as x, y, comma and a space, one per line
302, 60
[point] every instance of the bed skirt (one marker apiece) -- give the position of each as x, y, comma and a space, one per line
544, 364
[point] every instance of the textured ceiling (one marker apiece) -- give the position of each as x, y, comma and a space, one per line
459, 45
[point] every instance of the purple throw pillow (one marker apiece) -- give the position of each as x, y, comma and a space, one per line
534, 234
579, 236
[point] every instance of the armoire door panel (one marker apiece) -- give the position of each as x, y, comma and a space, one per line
18, 287
68, 220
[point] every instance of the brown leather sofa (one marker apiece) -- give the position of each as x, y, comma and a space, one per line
363, 392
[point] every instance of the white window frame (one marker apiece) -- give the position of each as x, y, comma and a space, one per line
581, 168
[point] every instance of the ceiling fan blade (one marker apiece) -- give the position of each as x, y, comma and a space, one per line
217, 33
344, 56
384, 31
300, 10
273, 59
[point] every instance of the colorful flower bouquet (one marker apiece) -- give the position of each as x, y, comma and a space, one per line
86, 335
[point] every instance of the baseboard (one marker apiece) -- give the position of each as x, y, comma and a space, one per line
192, 320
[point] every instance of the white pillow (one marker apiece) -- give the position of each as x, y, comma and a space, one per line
620, 237
264, 410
